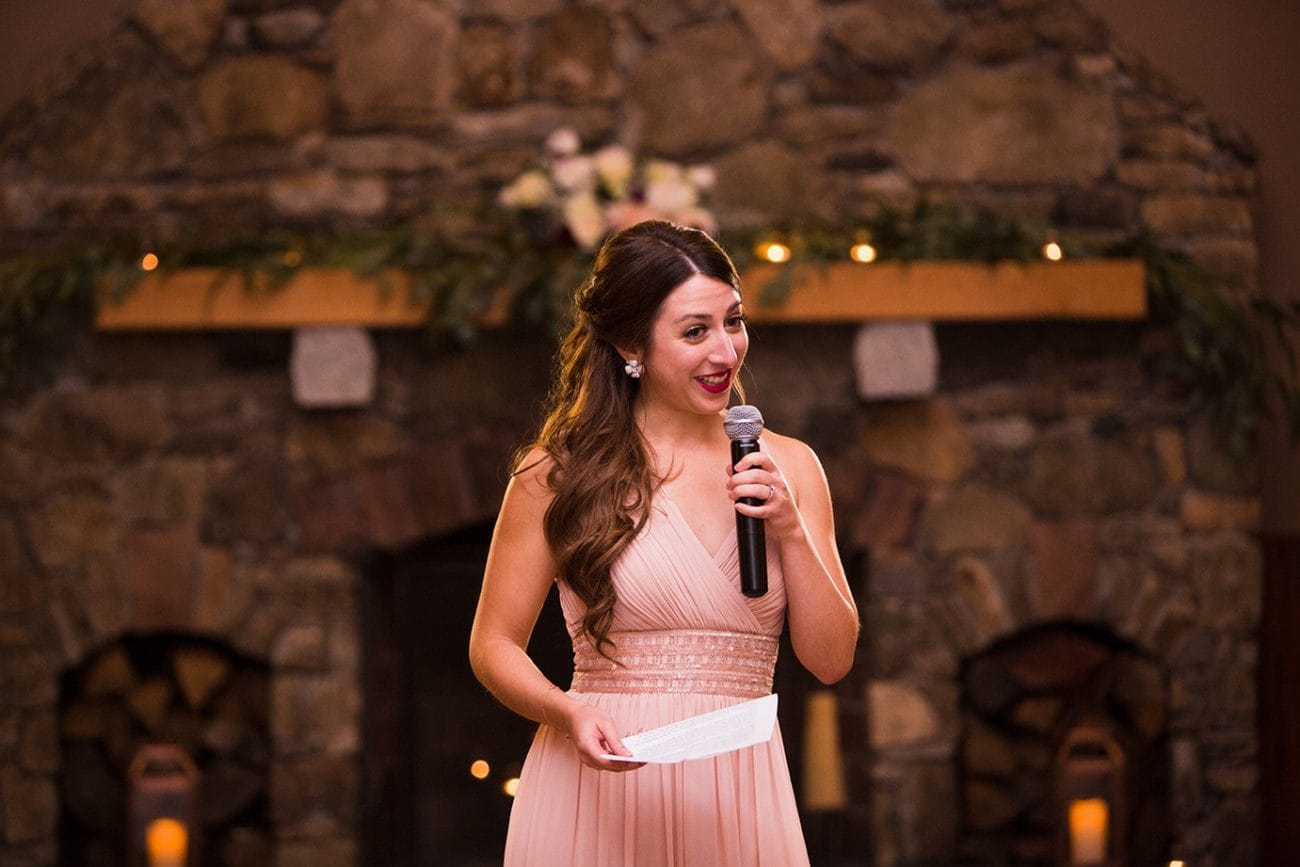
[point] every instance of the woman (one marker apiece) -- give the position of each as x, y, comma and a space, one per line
628, 500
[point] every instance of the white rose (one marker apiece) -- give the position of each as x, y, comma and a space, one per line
530, 190
584, 219
662, 170
574, 173
670, 195
563, 141
614, 165
703, 177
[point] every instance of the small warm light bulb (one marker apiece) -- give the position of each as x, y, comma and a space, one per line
862, 252
148, 261
479, 769
774, 251
510, 786
1052, 251
1177, 864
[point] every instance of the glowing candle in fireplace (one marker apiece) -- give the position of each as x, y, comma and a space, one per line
1089, 818
166, 842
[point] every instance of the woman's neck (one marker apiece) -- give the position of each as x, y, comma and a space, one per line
674, 438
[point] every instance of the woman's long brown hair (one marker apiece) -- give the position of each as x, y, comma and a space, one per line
600, 475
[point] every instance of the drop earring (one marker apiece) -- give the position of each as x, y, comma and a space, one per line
633, 368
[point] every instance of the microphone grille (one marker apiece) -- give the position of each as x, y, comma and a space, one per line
743, 422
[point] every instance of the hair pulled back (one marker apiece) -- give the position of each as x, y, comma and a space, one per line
600, 476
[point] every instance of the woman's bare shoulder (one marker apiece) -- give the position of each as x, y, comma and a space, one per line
532, 472
797, 459
789, 447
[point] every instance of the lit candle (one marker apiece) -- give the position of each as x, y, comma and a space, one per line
823, 767
1088, 820
165, 841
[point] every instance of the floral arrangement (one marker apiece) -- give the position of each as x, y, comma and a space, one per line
588, 196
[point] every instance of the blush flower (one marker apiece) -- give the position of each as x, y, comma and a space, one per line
563, 142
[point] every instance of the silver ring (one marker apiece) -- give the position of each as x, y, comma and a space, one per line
771, 491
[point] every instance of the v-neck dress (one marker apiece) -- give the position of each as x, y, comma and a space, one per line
686, 642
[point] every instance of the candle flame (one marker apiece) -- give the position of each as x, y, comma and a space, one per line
1089, 818
166, 840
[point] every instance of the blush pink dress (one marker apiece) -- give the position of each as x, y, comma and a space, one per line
687, 642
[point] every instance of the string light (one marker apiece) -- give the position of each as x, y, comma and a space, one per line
1052, 251
862, 250
773, 251
148, 261
479, 769
863, 253
510, 786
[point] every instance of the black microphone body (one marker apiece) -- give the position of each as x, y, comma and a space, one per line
750, 536
743, 425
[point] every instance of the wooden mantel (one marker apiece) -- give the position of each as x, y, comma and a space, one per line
848, 292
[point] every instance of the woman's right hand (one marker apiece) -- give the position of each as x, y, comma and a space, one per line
595, 733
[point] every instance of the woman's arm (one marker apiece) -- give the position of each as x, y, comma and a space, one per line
519, 573
821, 612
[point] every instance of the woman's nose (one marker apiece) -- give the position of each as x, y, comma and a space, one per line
724, 351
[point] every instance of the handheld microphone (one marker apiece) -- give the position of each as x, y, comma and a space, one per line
743, 425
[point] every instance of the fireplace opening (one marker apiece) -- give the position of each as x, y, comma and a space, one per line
1064, 751
180, 695
440, 751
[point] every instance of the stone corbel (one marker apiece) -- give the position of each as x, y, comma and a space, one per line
896, 360
332, 367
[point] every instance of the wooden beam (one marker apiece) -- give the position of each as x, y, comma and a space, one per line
201, 298
1085, 289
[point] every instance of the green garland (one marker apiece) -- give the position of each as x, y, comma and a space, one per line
458, 264
1222, 340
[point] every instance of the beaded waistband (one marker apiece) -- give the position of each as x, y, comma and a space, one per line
735, 664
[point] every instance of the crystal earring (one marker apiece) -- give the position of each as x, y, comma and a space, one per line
633, 368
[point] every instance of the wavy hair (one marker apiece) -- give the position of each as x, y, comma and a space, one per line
600, 474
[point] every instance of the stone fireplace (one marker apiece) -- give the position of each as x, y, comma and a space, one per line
1049, 539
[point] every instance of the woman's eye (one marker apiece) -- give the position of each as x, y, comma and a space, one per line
694, 332
736, 321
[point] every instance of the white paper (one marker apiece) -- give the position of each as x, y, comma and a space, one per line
709, 734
